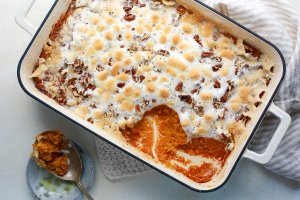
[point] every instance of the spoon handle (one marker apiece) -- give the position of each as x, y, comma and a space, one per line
84, 191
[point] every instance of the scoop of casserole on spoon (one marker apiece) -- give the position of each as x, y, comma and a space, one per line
58, 155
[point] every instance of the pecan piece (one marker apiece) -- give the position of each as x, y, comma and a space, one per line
198, 40
90, 120
137, 108
252, 50
257, 103
206, 54
195, 91
181, 9
186, 98
199, 110
244, 118
127, 8
268, 80
228, 35
99, 68
216, 67
119, 37
262, 94
179, 87
236, 71
224, 98
217, 104
163, 52
217, 84
91, 86
121, 85
129, 17
71, 81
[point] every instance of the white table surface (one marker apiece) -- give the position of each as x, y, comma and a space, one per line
22, 118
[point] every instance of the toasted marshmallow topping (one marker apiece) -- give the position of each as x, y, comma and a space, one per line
115, 60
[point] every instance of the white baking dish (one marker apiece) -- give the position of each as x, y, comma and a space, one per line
32, 52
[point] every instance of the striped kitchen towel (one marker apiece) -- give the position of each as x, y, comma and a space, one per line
278, 22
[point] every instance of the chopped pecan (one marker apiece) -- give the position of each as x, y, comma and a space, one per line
91, 86
243, 118
252, 50
181, 9
110, 62
142, 77
186, 98
236, 71
179, 87
230, 85
206, 54
217, 67
90, 120
137, 108
217, 84
99, 68
119, 37
198, 40
127, 8
93, 105
224, 98
138, 79
63, 78
262, 94
121, 85
217, 104
163, 53
199, 110
228, 35
39, 84
268, 80
133, 71
61, 97
129, 17
227, 139
257, 103
195, 91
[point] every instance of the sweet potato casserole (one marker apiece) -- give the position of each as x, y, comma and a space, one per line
170, 81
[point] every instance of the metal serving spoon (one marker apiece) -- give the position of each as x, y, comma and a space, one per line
75, 169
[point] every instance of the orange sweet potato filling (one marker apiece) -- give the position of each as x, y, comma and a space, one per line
48, 146
170, 139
